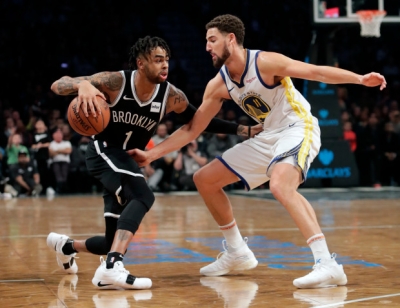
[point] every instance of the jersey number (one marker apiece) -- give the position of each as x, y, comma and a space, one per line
128, 135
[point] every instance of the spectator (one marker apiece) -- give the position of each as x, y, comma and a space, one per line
394, 117
24, 176
165, 163
25, 134
60, 151
390, 157
369, 154
79, 179
219, 143
13, 148
152, 176
189, 160
40, 148
9, 129
350, 135
3, 179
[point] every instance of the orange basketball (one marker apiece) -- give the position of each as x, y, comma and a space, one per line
88, 126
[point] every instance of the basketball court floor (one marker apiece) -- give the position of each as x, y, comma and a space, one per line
178, 236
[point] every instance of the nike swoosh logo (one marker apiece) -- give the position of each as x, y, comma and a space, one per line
103, 285
231, 89
128, 98
290, 125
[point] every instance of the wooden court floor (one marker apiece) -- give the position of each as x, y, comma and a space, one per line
178, 236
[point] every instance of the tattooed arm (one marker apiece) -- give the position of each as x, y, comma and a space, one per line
105, 84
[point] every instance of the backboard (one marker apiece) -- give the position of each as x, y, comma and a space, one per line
344, 11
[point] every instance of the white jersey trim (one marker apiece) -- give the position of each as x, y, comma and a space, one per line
112, 104
110, 163
140, 103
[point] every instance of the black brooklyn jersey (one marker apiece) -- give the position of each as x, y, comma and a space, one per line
132, 122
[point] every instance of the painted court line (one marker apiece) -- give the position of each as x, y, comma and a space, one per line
357, 300
164, 232
22, 280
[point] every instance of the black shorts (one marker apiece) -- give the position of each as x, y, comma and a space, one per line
109, 165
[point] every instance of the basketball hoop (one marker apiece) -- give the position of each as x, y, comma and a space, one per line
370, 21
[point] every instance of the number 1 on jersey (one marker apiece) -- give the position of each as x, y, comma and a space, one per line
128, 135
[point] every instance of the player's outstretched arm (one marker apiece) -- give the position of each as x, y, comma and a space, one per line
280, 65
185, 111
88, 87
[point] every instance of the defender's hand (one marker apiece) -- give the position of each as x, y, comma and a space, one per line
141, 157
373, 80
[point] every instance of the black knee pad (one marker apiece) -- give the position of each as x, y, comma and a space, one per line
136, 188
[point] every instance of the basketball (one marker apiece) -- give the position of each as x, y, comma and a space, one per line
88, 126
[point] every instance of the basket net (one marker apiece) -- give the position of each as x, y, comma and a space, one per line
370, 21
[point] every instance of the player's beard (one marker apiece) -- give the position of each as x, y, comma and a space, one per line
153, 78
221, 60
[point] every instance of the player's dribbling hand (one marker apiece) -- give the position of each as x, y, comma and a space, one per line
373, 80
87, 98
140, 157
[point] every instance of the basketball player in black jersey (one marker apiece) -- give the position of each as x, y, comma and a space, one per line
138, 100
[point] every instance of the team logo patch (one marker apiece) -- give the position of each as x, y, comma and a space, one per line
155, 107
256, 107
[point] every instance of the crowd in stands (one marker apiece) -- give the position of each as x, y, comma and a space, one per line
40, 153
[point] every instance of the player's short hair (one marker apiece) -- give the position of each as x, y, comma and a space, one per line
228, 24
144, 46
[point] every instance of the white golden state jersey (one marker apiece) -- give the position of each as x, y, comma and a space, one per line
276, 106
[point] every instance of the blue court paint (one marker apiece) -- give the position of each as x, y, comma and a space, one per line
157, 251
273, 253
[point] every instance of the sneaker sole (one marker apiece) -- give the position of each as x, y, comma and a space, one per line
110, 286
248, 265
333, 283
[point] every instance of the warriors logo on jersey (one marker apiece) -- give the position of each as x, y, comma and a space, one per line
255, 107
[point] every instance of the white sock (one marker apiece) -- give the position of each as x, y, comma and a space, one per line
319, 247
232, 234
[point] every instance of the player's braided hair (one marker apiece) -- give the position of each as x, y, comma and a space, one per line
228, 24
144, 46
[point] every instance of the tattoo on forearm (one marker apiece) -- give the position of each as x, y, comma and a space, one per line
112, 81
242, 130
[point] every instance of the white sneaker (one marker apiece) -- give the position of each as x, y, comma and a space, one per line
67, 262
326, 273
235, 292
238, 259
332, 297
118, 278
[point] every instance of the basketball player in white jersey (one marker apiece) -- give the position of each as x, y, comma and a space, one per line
259, 82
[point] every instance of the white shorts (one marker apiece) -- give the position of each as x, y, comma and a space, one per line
253, 160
